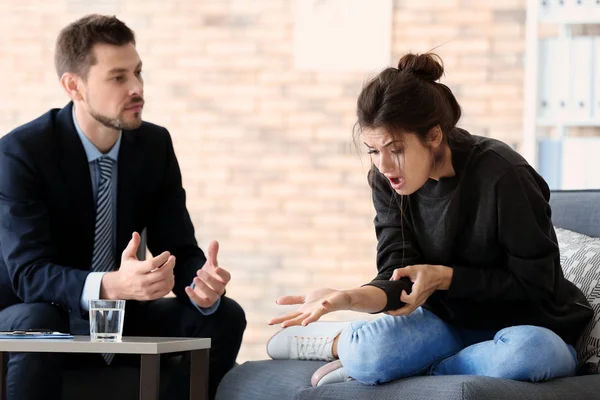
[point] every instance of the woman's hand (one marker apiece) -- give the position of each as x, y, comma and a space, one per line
314, 305
426, 279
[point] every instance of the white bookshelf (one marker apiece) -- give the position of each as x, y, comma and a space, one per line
562, 87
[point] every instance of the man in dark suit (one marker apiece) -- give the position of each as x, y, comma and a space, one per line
76, 187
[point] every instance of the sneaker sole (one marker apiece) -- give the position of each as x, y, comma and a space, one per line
324, 370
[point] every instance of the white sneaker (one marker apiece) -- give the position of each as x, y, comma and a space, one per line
333, 372
312, 342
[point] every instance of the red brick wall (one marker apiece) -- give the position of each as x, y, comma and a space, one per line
265, 150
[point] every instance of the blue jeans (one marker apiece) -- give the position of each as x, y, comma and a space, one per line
390, 348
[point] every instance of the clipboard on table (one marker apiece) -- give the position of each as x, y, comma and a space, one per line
34, 334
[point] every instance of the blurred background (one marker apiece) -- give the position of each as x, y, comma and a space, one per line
260, 95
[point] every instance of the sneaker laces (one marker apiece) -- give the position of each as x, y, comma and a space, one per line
314, 348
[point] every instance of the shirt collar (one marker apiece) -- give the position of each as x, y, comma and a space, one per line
91, 151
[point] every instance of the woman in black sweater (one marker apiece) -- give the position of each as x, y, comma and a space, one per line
468, 262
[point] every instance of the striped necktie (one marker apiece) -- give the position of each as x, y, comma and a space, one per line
103, 257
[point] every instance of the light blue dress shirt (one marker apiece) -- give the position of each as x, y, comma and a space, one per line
91, 287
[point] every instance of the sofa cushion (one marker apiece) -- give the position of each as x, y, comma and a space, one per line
580, 260
290, 380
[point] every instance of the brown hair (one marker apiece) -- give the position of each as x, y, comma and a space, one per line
408, 99
75, 42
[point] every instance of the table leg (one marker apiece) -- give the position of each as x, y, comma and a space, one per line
199, 374
150, 376
2, 377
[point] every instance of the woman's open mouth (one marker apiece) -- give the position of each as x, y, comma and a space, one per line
397, 182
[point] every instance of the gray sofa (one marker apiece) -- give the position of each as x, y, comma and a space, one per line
281, 380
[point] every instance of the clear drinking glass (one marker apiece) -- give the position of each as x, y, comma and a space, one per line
106, 320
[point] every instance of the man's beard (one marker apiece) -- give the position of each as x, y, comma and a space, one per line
116, 123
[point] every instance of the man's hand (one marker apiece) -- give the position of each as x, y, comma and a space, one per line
139, 280
426, 280
210, 282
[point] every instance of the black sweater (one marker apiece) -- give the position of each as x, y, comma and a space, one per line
491, 223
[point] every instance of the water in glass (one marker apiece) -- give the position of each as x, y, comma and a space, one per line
106, 321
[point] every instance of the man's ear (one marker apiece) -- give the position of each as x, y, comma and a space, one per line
435, 137
71, 83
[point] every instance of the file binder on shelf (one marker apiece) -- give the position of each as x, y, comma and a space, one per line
550, 161
596, 77
580, 163
580, 78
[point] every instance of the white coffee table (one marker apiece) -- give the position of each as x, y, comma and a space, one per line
149, 348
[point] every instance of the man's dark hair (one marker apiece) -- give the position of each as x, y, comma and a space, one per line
75, 42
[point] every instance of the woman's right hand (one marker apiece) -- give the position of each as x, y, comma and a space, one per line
313, 306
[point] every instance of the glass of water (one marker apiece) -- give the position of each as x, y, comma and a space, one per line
106, 320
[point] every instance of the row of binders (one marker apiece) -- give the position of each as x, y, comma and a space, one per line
569, 80
570, 162
569, 10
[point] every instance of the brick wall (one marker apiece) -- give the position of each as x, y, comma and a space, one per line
265, 150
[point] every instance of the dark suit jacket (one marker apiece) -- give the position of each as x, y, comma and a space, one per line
47, 212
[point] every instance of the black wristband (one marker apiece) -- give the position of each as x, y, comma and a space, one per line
393, 290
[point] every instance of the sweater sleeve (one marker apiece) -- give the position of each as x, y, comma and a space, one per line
395, 244
526, 233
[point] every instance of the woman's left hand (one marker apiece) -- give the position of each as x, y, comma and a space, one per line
426, 279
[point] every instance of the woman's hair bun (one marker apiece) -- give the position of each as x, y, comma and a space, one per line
427, 66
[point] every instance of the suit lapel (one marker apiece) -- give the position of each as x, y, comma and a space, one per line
131, 165
75, 170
